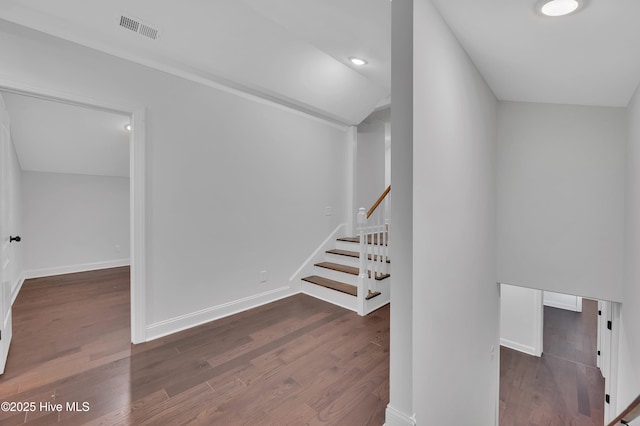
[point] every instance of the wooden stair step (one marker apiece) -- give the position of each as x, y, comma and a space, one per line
370, 240
350, 239
380, 277
352, 270
351, 254
372, 294
334, 285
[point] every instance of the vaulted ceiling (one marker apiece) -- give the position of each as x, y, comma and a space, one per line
53, 137
591, 57
296, 51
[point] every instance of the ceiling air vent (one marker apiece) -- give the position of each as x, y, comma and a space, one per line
139, 27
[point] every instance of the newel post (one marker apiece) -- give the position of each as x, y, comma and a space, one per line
362, 226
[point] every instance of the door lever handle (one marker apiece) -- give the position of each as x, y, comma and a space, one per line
16, 238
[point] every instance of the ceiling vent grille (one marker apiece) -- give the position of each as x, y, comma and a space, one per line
148, 31
139, 27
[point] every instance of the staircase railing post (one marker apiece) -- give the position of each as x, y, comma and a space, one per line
362, 276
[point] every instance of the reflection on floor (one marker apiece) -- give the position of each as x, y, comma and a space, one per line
564, 386
295, 361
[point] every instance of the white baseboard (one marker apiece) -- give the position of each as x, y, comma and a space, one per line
394, 417
193, 319
519, 347
317, 256
70, 269
16, 288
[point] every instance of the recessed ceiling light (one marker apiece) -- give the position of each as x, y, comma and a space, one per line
127, 127
559, 7
357, 61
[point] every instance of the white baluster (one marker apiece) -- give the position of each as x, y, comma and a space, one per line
362, 228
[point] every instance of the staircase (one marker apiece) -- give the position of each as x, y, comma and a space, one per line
335, 279
356, 273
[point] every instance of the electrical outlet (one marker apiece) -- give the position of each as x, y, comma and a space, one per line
263, 276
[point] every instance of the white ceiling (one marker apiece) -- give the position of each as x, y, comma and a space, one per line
61, 138
591, 57
292, 50
296, 50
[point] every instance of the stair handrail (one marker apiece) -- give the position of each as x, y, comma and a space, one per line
378, 201
631, 413
373, 230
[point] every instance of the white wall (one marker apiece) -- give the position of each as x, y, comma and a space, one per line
400, 410
629, 350
521, 319
370, 182
455, 339
74, 222
561, 198
234, 186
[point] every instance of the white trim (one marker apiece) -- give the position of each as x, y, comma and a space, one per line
137, 235
21, 88
307, 266
538, 323
613, 359
566, 306
70, 269
394, 417
137, 191
518, 346
352, 167
210, 80
17, 287
193, 319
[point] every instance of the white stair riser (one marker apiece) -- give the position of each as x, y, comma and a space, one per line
383, 268
353, 261
385, 296
337, 298
343, 260
336, 275
342, 245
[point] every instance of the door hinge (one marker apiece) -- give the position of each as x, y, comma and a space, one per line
598, 353
600, 312
609, 325
607, 398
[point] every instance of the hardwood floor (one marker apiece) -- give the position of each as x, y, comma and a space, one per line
564, 386
293, 362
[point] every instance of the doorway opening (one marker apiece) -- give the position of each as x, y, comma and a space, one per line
560, 353
136, 115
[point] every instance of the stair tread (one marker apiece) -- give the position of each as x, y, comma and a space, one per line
350, 254
372, 294
351, 270
350, 239
372, 239
334, 285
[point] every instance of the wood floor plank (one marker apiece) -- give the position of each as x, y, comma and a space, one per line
563, 387
262, 366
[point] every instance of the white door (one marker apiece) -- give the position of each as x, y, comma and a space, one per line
609, 329
5, 256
